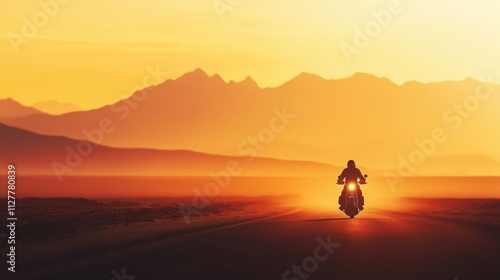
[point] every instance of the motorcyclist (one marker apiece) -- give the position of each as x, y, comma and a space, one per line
351, 174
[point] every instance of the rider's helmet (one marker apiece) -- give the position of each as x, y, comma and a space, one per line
351, 164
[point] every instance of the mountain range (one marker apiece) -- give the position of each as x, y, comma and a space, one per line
370, 119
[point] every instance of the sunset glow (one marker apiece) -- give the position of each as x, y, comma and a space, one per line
93, 53
250, 139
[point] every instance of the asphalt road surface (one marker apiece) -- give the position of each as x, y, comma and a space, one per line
302, 245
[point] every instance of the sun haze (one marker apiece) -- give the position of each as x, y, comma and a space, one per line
93, 53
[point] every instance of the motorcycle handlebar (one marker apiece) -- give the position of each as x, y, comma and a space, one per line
361, 181
343, 183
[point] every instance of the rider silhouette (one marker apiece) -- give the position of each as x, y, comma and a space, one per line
351, 174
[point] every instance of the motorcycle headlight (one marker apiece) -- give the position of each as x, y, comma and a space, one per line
352, 186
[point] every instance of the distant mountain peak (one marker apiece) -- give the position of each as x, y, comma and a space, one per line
10, 108
249, 82
363, 75
217, 77
200, 76
9, 100
306, 75
55, 107
196, 73
305, 78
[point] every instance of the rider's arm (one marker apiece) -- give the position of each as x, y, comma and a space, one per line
360, 175
342, 175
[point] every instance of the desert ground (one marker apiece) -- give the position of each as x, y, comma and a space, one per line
261, 237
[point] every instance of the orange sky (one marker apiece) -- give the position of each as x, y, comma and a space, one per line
96, 52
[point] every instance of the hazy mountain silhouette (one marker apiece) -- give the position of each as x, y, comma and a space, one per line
35, 154
56, 108
363, 117
10, 108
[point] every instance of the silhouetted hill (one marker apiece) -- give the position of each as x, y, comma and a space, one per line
10, 108
40, 154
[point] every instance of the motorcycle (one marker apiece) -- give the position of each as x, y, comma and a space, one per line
352, 201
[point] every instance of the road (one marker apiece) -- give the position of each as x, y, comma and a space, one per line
375, 245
